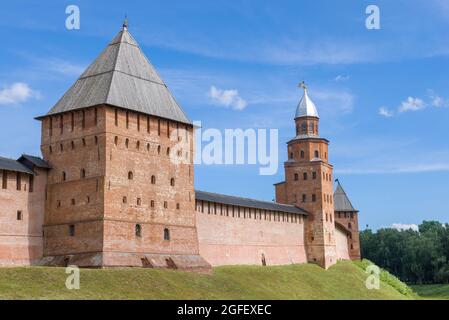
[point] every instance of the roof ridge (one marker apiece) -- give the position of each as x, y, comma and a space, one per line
245, 198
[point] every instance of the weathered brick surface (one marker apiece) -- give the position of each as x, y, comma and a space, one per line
227, 238
341, 240
350, 221
21, 240
123, 171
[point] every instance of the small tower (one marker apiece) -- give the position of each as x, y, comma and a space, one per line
309, 185
347, 216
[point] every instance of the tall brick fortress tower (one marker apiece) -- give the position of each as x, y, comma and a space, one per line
120, 191
309, 185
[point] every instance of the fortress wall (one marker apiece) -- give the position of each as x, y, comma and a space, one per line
350, 221
229, 238
341, 240
21, 240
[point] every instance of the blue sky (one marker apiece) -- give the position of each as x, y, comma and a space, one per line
394, 165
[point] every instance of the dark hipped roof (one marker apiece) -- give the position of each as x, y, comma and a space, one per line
341, 200
245, 202
122, 76
35, 161
14, 165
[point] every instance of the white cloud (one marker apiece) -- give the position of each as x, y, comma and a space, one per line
412, 104
17, 93
402, 227
436, 100
64, 67
340, 78
383, 111
228, 98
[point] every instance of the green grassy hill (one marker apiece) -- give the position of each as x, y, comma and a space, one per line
346, 280
433, 291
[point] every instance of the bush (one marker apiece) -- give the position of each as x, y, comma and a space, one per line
388, 278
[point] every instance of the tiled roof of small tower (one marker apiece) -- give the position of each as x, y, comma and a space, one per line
306, 107
341, 200
122, 76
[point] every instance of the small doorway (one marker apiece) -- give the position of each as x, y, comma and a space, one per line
264, 261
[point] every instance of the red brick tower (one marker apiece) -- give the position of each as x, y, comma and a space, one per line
308, 184
347, 216
120, 191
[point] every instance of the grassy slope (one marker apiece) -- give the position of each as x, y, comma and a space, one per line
345, 280
432, 291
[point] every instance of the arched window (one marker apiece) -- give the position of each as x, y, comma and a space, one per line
304, 128
116, 140
138, 145
50, 149
349, 225
148, 147
126, 143
178, 206
138, 230
311, 128
61, 147
84, 142
96, 140
317, 154
73, 145
166, 234
172, 182
158, 149
296, 177
64, 176
153, 179
302, 154
130, 175
168, 151
83, 173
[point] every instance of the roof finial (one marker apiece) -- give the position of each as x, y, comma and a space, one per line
303, 85
125, 23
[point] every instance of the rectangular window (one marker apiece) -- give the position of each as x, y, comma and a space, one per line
313, 198
5, 179
116, 117
19, 181
158, 127
127, 119
304, 198
313, 175
19, 215
304, 175
148, 124
296, 177
138, 122
72, 230
168, 129
31, 183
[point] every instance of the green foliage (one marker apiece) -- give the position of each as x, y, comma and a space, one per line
417, 257
387, 278
307, 281
432, 291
